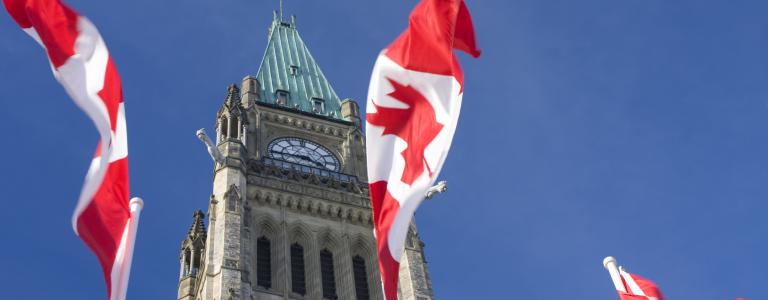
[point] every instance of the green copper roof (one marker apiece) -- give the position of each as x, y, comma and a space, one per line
288, 66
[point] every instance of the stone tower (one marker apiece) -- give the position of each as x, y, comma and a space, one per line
290, 216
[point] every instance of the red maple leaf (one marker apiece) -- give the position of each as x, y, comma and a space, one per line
417, 125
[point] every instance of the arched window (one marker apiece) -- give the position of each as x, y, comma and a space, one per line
232, 196
233, 127
361, 278
195, 263
187, 258
298, 283
328, 278
224, 125
263, 263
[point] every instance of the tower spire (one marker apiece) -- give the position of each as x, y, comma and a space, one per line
281, 10
290, 77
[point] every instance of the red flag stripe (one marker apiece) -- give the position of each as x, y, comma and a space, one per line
638, 288
97, 226
82, 64
630, 286
53, 22
435, 28
385, 208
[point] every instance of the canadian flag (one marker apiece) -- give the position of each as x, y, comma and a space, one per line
414, 100
104, 218
630, 286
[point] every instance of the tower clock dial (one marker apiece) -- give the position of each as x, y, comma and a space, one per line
303, 152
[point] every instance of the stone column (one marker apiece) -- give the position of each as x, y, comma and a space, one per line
314, 283
243, 135
346, 279
282, 259
219, 136
229, 126
192, 261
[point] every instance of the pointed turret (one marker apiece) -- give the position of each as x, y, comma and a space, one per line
192, 249
232, 118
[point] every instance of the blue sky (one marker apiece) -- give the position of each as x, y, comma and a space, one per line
632, 128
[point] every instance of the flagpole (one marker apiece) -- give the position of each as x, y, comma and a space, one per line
610, 264
124, 271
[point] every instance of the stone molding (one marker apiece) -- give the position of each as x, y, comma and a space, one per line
322, 208
305, 124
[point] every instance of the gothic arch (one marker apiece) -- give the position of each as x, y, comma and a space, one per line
266, 227
234, 125
185, 258
329, 240
301, 237
300, 233
361, 246
232, 198
223, 127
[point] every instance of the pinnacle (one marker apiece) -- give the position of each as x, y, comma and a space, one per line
233, 95
198, 225
232, 88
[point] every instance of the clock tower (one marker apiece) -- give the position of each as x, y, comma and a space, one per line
289, 216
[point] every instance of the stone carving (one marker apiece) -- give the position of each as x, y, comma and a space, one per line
212, 208
440, 187
212, 150
305, 124
232, 197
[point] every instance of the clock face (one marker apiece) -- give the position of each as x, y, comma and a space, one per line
303, 152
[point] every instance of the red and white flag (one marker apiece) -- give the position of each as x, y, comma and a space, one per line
414, 100
630, 286
104, 218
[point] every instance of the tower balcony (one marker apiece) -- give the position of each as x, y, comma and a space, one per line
308, 174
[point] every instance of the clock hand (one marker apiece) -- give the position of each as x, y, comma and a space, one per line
309, 159
305, 158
